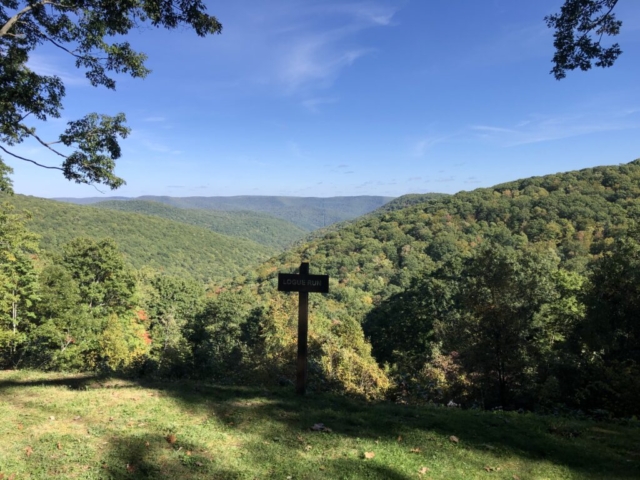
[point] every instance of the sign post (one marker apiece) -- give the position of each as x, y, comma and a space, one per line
303, 283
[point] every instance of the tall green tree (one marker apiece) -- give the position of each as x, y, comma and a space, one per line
65, 327
173, 303
18, 282
91, 32
106, 285
612, 327
502, 290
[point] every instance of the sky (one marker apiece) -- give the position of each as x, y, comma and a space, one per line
326, 98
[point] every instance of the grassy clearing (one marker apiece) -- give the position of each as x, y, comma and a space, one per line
72, 426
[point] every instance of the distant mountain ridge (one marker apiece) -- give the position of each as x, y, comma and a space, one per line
308, 213
147, 241
256, 226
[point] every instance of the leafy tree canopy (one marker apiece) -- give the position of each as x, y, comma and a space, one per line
90, 31
579, 29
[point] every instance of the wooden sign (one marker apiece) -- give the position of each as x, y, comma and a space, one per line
288, 282
303, 283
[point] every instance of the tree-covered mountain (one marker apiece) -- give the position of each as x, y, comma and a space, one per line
255, 226
497, 296
525, 295
308, 213
159, 243
408, 200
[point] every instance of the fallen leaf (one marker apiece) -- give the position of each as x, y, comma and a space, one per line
199, 464
415, 450
369, 455
488, 469
423, 470
20, 427
105, 466
28, 451
52, 417
59, 446
146, 444
171, 438
131, 468
307, 448
454, 439
111, 419
188, 453
78, 417
399, 438
516, 477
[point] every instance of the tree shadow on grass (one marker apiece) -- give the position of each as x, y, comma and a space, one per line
74, 382
150, 457
274, 428
561, 441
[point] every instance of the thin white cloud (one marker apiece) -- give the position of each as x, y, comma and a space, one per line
43, 65
548, 128
311, 63
313, 104
421, 146
154, 119
313, 56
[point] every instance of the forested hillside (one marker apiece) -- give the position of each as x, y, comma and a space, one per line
521, 296
308, 213
258, 227
162, 244
525, 294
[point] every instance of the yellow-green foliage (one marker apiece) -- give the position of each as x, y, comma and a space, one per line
122, 342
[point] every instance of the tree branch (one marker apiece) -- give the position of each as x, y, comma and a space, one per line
42, 142
7, 26
28, 160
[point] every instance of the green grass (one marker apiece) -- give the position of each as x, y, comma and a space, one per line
74, 426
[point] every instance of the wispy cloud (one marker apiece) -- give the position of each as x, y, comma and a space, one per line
154, 119
43, 65
541, 128
322, 40
313, 104
420, 147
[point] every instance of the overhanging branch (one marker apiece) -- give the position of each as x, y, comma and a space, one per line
29, 160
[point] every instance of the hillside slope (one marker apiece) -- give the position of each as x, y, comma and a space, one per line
308, 213
381, 252
258, 227
393, 274
145, 240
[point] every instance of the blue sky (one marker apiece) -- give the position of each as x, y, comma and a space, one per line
324, 98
